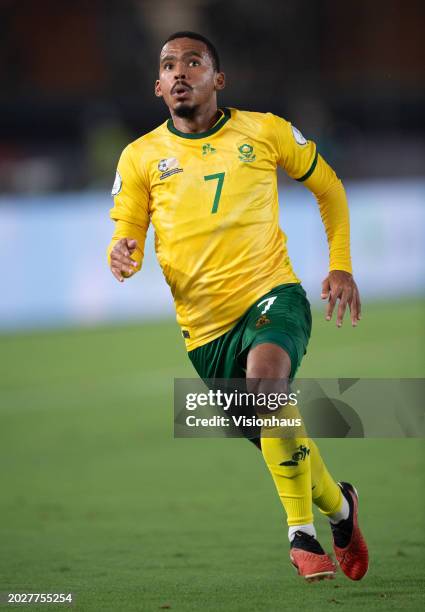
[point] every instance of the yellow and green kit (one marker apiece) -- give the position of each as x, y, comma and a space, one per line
212, 199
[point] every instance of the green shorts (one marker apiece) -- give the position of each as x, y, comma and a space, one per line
281, 316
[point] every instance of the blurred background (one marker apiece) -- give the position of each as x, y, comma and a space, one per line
98, 496
78, 86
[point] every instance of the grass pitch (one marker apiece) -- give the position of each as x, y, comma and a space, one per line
99, 499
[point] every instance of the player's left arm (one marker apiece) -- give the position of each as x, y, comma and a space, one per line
333, 206
300, 159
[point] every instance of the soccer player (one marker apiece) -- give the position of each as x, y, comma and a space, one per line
206, 179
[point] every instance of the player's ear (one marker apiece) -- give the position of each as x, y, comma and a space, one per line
219, 81
158, 91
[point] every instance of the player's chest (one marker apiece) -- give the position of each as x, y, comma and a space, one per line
210, 177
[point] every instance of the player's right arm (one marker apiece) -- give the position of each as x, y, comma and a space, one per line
300, 158
131, 215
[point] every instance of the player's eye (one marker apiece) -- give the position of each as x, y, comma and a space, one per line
168, 66
193, 63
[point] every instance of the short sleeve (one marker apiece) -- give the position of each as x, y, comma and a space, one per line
295, 154
130, 191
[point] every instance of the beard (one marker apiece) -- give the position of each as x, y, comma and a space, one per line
186, 111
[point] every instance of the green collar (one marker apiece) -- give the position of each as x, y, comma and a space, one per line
223, 119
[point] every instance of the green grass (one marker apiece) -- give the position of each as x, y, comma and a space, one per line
99, 499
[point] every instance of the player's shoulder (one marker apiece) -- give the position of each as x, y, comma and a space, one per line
139, 154
150, 139
255, 117
265, 126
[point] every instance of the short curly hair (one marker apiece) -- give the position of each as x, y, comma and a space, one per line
195, 36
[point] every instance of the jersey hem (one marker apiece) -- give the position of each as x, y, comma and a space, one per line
191, 346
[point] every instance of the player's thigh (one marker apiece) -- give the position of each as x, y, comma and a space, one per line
281, 317
218, 359
217, 364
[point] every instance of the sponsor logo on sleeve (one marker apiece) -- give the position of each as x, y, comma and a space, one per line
299, 138
116, 187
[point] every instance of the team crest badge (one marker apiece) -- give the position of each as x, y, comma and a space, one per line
169, 166
246, 153
263, 320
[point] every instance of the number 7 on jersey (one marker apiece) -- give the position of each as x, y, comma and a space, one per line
220, 178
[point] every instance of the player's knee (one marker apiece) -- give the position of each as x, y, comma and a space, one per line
263, 370
268, 361
265, 381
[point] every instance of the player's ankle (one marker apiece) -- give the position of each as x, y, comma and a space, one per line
308, 528
342, 514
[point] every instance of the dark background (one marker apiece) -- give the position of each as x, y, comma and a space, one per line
77, 80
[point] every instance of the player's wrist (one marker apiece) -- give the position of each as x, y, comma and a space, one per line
341, 268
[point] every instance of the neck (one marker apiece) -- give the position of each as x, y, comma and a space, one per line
203, 120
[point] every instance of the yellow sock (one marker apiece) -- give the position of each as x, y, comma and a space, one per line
288, 460
326, 493
293, 482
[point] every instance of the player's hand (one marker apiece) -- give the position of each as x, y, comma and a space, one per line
340, 285
122, 266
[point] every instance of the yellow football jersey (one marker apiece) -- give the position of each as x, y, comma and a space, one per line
212, 198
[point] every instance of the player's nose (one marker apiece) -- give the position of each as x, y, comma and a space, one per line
180, 72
